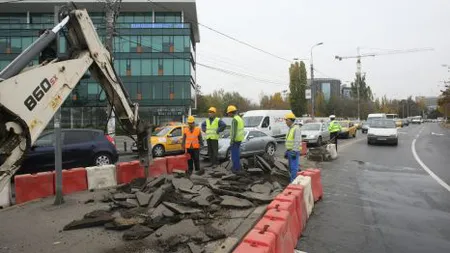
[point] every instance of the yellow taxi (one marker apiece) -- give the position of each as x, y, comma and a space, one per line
348, 129
399, 123
167, 140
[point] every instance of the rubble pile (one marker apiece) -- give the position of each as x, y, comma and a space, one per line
181, 213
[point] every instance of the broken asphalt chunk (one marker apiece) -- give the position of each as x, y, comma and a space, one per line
157, 197
181, 209
230, 201
263, 198
182, 183
88, 222
183, 228
157, 182
143, 198
265, 165
195, 248
187, 190
96, 213
123, 224
123, 196
280, 166
137, 232
262, 188
214, 233
255, 171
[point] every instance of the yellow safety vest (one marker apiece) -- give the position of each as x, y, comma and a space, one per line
290, 139
211, 129
240, 129
334, 127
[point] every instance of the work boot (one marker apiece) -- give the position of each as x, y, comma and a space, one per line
200, 172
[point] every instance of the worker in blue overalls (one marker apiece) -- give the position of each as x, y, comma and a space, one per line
293, 145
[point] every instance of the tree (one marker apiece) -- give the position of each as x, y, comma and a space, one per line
444, 102
320, 105
274, 101
297, 86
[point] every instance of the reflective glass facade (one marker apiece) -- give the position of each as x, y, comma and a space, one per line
154, 54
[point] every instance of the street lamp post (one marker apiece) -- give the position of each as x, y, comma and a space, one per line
313, 93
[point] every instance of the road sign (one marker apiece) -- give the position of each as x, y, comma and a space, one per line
308, 93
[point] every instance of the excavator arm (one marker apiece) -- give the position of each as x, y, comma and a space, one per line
29, 98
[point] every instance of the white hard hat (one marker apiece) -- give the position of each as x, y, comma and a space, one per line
332, 116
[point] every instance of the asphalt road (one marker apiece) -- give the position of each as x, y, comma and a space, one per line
384, 198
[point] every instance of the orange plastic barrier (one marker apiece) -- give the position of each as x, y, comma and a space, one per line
178, 162
34, 186
304, 148
284, 240
294, 214
158, 167
128, 171
74, 180
302, 213
285, 216
257, 241
316, 182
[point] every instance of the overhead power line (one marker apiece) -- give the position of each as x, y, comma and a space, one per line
225, 35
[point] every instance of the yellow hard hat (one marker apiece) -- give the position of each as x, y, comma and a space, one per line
191, 119
231, 108
212, 109
290, 116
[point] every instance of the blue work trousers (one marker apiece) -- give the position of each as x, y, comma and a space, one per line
236, 156
294, 164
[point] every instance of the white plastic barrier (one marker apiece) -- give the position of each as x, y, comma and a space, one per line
101, 177
307, 192
5, 196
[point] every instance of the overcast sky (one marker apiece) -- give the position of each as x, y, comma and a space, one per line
289, 28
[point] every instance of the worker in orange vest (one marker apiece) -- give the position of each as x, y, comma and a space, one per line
192, 141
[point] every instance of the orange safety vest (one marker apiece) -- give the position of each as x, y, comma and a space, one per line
192, 138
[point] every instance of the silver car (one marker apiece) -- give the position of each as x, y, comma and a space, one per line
255, 142
315, 133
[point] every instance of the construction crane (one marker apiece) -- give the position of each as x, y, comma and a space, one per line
358, 57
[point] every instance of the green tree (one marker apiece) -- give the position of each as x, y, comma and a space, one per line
297, 86
320, 105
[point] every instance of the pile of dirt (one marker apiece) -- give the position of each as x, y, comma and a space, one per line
181, 213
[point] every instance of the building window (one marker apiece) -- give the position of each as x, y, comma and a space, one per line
146, 67
179, 67
168, 67
155, 67
168, 17
157, 43
135, 67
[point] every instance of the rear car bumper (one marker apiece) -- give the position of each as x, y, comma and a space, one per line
382, 139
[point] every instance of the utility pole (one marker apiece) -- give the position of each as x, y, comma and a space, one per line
112, 8
358, 79
313, 93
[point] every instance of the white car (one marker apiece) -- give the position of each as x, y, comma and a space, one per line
382, 131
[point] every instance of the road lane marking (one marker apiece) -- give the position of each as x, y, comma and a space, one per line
349, 143
425, 167
433, 133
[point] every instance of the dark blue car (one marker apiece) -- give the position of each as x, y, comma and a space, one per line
80, 148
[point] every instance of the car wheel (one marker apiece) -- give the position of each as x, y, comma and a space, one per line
319, 141
270, 149
396, 143
369, 142
102, 159
158, 151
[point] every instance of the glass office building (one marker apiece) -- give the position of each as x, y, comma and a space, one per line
154, 55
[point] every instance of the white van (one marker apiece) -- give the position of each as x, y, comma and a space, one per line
376, 116
270, 122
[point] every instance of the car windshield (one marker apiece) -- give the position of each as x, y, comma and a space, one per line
252, 121
162, 132
311, 127
343, 124
383, 124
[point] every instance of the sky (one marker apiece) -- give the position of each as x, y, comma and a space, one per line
289, 28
